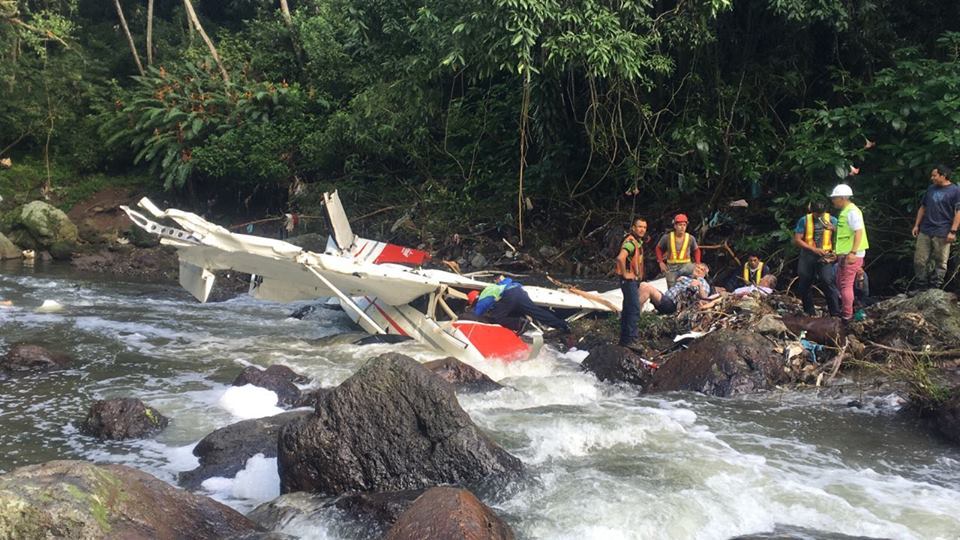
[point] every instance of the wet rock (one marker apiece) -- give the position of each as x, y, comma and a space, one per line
823, 330
392, 426
463, 377
225, 451
63, 250
311, 397
478, 260
41, 225
76, 499
446, 513
277, 378
770, 325
947, 417
723, 363
382, 338
8, 250
155, 264
790, 532
26, 357
380, 509
615, 364
124, 418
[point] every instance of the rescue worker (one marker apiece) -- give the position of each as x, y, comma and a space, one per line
814, 235
851, 247
507, 304
754, 270
935, 228
681, 251
630, 269
694, 285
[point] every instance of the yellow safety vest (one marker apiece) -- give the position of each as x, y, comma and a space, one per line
746, 273
826, 239
682, 256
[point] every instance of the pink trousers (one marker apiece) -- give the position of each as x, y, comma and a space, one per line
846, 275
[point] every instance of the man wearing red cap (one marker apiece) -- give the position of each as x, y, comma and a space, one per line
681, 251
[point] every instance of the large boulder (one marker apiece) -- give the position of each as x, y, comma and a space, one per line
27, 357
122, 418
76, 499
723, 363
225, 451
278, 378
392, 426
463, 377
615, 364
8, 250
929, 318
446, 513
45, 225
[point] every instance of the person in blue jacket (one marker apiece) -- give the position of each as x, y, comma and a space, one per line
507, 304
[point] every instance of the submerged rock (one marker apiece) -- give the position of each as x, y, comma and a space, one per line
76, 499
123, 418
378, 509
225, 451
615, 364
463, 377
790, 532
723, 363
26, 357
947, 417
278, 378
392, 426
446, 513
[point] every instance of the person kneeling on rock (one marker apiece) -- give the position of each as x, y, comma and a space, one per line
507, 304
695, 286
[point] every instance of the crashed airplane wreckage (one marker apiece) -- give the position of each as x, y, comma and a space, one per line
377, 284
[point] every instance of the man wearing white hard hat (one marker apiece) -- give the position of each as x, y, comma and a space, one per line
851, 246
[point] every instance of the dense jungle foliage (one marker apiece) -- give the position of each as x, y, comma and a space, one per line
548, 119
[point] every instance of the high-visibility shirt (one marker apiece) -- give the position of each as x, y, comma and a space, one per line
634, 249
491, 294
845, 233
747, 271
682, 255
810, 230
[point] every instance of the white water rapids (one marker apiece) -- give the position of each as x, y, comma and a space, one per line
605, 463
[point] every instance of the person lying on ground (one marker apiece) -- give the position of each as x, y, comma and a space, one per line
694, 286
507, 304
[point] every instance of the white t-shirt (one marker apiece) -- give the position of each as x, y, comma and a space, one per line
855, 221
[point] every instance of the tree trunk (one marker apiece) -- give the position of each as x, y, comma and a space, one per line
149, 32
288, 20
126, 31
206, 39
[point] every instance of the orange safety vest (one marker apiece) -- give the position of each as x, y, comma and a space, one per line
682, 256
826, 242
746, 273
635, 262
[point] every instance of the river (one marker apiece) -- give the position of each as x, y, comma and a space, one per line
605, 463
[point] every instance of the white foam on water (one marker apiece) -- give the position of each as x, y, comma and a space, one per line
258, 482
249, 401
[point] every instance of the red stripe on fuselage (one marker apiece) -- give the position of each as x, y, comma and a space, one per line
389, 319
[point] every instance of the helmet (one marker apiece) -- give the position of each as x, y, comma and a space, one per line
472, 297
842, 190
680, 218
